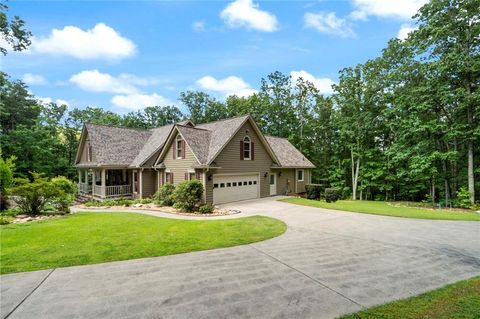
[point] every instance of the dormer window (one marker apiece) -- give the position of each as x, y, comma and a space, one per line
179, 144
247, 150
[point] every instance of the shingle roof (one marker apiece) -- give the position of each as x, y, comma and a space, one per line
115, 145
287, 154
198, 140
157, 138
118, 146
222, 132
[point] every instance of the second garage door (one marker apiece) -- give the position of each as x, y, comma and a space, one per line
235, 187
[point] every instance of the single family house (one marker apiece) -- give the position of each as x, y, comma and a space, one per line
232, 158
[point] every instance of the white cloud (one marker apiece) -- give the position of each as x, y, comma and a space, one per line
48, 100
198, 26
34, 79
139, 101
96, 81
101, 42
329, 23
324, 85
231, 85
403, 9
245, 13
405, 29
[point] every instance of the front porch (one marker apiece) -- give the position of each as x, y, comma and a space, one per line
106, 183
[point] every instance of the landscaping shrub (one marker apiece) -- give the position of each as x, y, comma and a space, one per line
164, 196
315, 191
188, 195
7, 167
463, 198
206, 209
109, 203
332, 195
65, 191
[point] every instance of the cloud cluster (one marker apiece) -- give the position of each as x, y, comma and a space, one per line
231, 85
101, 42
328, 23
34, 79
245, 13
403, 10
125, 86
324, 85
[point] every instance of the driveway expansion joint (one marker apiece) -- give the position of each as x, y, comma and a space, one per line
29, 294
308, 276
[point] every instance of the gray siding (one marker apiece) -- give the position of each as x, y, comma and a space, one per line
285, 180
229, 161
149, 182
306, 178
83, 154
179, 166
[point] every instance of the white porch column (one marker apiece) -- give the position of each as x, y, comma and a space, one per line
79, 177
103, 182
94, 180
140, 186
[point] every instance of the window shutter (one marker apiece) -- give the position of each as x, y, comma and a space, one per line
174, 148
186, 176
171, 178
241, 150
252, 150
183, 150
197, 175
160, 176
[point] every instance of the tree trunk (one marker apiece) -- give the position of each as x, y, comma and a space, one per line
471, 180
433, 191
355, 170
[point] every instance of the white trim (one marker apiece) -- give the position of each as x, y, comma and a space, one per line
259, 181
180, 139
303, 175
168, 142
204, 180
249, 142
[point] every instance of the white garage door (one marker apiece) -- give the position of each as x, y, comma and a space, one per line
235, 187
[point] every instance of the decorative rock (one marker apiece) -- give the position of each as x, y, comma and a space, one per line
137, 205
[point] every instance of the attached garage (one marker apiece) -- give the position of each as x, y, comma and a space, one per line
235, 187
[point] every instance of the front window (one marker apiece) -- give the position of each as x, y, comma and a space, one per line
300, 175
168, 178
246, 148
179, 146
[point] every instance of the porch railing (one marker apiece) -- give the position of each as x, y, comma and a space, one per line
84, 188
97, 190
118, 190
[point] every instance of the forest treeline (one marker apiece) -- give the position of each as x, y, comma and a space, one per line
402, 126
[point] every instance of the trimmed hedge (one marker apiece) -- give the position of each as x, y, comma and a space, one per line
164, 196
315, 191
332, 195
188, 195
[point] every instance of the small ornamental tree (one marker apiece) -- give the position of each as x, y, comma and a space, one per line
188, 195
31, 197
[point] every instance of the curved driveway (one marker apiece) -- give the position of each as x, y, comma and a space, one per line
327, 263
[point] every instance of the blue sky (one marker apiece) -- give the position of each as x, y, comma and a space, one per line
126, 55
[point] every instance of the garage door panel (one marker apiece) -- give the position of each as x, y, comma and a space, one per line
235, 187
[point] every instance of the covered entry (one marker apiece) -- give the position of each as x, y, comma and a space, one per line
235, 187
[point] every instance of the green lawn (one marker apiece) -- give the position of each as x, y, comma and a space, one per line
458, 301
383, 208
88, 238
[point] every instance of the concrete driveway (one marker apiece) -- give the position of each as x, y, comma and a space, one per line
328, 263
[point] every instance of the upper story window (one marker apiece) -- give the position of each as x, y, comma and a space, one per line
89, 152
179, 146
247, 149
300, 175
